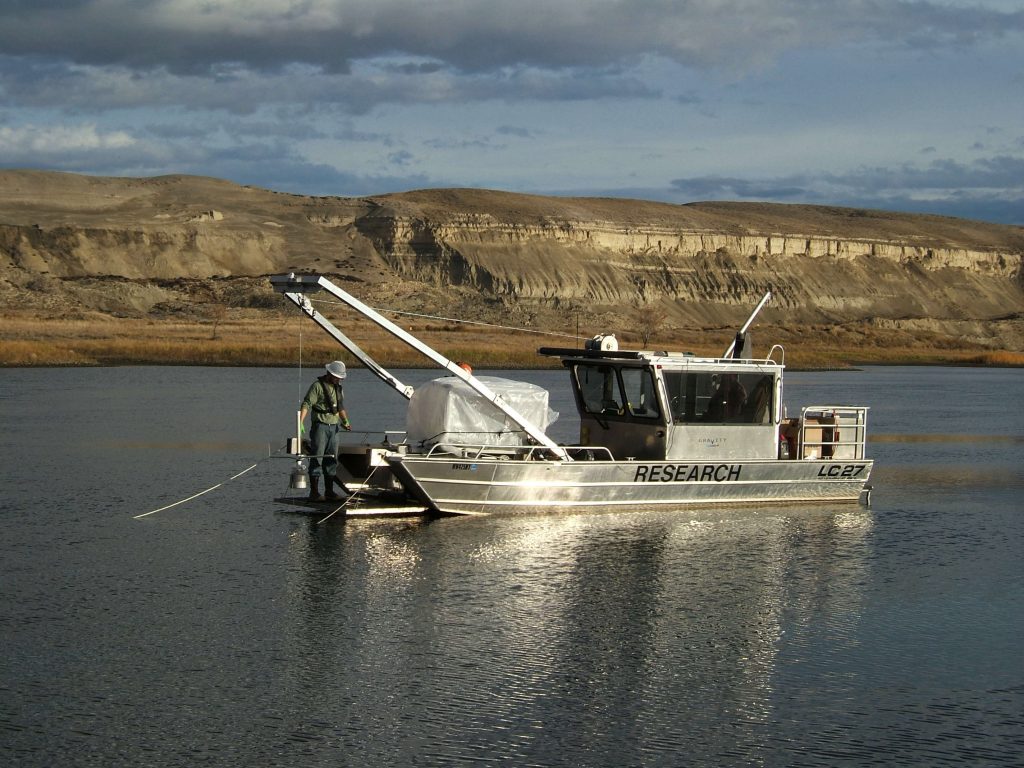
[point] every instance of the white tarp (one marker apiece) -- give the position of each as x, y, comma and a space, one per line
449, 411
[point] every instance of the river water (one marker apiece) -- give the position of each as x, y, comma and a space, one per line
227, 631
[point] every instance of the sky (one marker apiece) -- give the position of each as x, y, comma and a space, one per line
911, 105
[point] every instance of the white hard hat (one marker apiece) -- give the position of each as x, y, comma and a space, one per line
336, 369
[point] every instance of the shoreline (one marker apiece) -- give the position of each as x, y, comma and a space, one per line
482, 359
251, 338
355, 365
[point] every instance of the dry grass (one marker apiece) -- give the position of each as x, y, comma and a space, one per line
261, 338
997, 359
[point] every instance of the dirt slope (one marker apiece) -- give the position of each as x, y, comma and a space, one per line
72, 243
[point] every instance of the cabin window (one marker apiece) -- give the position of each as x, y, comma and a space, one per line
599, 389
720, 398
638, 386
604, 393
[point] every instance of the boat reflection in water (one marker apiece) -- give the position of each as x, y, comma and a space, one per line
606, 633
656, 428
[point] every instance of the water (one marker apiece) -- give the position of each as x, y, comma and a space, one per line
226, 631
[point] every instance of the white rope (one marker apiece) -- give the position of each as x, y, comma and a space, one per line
346, 501
197, 495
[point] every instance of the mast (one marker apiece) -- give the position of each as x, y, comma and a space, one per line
737, 342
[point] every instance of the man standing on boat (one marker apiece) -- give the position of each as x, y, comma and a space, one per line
325, 400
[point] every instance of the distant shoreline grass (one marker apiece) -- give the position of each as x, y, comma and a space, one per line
24, 354
279, 341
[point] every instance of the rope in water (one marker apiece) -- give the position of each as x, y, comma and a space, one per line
197, 495
346, 501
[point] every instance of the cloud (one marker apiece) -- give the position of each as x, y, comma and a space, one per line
945, 177
33, 141
88, 88
458, 144
515, 130
196, 36
353, 55
351, 96
401, 158
304, 178
273, 164
725, 187
990, 188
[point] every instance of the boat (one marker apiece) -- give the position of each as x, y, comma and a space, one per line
657, 428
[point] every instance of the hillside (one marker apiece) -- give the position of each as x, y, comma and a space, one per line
74, 246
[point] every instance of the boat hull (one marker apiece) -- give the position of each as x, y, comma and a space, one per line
489, 485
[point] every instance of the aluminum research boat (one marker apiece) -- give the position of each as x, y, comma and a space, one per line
656, 428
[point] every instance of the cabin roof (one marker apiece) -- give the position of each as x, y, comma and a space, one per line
663, 359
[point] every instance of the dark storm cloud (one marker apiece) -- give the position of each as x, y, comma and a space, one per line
353, 55
195, 36
76, 88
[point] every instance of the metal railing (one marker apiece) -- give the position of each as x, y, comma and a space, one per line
833, 432
517, 452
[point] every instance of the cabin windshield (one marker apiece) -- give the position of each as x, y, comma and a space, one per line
707, 397
608, 390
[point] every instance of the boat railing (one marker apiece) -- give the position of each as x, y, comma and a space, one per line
737, 362
833, 432
517, 452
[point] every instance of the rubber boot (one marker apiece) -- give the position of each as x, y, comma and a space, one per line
314, 489
329, 488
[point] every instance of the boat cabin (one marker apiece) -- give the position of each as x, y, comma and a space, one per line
662, 406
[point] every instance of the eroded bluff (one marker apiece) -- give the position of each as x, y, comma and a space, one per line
705, 264
702, 274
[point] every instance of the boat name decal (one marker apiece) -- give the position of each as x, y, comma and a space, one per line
686, 473
842, 470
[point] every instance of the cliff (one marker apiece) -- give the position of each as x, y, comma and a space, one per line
128, 245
